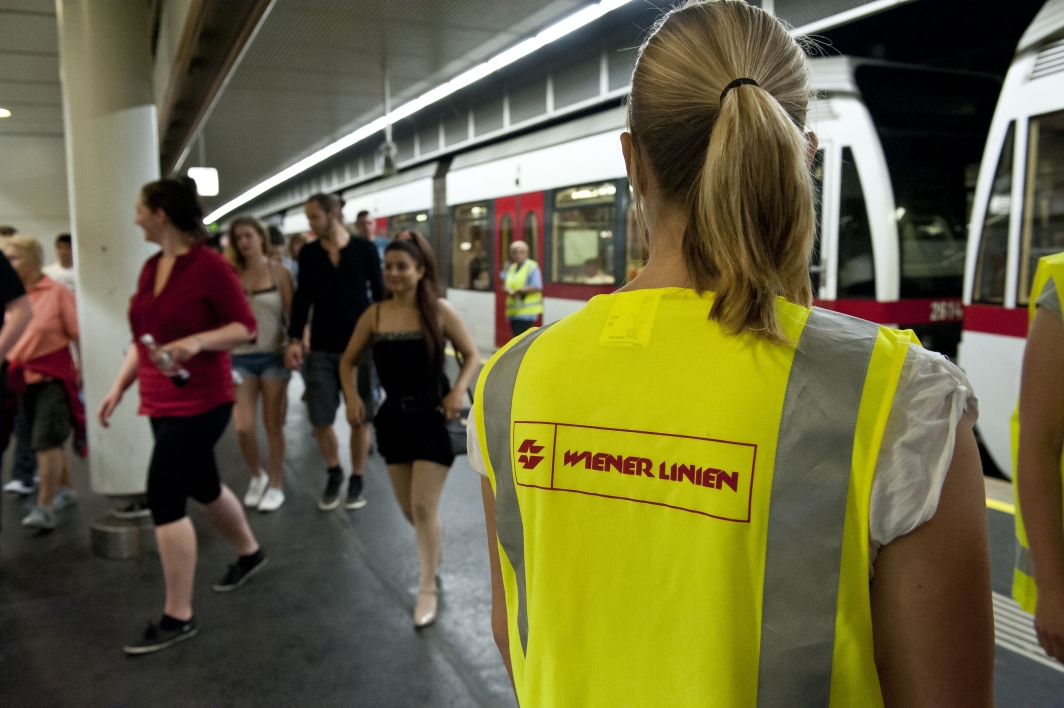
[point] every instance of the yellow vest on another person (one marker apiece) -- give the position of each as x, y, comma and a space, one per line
1024, 589
517, 277
683, 514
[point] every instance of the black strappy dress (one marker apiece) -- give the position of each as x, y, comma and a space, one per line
410, 424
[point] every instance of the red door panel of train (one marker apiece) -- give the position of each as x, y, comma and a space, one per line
516, 218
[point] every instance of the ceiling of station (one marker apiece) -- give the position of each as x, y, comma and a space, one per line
314, 72
29, 69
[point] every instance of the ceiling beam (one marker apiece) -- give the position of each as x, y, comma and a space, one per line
216, 34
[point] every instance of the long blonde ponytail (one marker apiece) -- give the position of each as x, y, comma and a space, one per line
736, 161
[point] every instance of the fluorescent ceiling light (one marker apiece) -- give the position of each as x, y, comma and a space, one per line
4, 113
206, 179
521, 49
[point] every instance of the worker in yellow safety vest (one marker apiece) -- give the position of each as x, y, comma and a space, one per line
686, 481
523, 282
1038, 461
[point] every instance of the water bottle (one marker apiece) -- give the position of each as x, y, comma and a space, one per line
182, 376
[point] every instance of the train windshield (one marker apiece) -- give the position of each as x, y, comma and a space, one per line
990, 269
471, 255
815, 268
1043, 197
932, 126
582, 236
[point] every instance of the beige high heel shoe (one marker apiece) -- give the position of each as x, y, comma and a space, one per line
425, 610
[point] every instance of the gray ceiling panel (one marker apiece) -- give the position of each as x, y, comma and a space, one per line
313, 72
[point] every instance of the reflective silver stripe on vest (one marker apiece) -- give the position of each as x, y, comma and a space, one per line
807, 511
1050, 298
498, 402
1024, 562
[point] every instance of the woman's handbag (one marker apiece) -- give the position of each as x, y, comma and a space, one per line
456, 429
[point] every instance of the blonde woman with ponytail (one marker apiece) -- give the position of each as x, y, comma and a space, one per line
701, 490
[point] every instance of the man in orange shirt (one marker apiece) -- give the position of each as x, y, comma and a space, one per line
43, 370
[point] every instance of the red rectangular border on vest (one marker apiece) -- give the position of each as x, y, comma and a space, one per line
994, 319
529, 454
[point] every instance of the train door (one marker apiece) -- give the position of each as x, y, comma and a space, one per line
518, 218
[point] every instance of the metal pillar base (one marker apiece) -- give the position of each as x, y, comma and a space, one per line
122, 539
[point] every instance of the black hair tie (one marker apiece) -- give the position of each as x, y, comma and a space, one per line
733, 84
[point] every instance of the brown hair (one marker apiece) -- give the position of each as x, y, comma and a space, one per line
735, 163
178, 199
328, 203
232, 252
428, 289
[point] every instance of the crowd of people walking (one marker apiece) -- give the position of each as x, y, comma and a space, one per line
217, 335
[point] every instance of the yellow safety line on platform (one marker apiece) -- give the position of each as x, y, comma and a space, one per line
1000, 506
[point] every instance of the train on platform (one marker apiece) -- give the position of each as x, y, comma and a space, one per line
904, 173
1018, 217
896, 144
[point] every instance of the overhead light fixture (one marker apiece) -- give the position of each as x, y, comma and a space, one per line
521, 49
206, 179
4, 113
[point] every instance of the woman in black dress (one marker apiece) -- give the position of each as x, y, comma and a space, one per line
407, 332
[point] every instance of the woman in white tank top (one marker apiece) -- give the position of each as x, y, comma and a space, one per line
259, 367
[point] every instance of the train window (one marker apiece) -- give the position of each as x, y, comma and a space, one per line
471, 269
506, 236
583, 234
1043, 199
417, 221
815, 269
994, 242
530, 233
856, 266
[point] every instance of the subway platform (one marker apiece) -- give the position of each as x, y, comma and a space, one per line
328, 622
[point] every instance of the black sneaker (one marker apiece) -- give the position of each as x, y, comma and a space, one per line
155, 638
239, 572
330, 498
355, 498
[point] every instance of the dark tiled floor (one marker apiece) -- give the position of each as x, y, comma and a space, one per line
326, 623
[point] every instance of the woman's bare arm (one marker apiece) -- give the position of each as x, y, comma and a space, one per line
1038, 474
931, 607
287, 288
499, 627
455, 330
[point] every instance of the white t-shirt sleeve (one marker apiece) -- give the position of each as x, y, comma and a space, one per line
932, 399
476, 459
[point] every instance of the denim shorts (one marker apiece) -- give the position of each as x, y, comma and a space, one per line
260, 365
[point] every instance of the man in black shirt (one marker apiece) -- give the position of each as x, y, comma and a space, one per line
337, 273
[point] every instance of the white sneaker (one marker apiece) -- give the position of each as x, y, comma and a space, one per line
17, 486
272, 500
256, 488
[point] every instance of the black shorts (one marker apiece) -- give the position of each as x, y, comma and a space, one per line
44, 415
183, 464
407, 436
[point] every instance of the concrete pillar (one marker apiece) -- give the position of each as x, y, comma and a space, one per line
112, 148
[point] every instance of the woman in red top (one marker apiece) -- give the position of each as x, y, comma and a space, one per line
188, 311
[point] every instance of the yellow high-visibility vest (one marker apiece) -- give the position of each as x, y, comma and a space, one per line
526, 305
683, 514
1024, 589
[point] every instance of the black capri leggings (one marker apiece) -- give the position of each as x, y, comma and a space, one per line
183, 464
